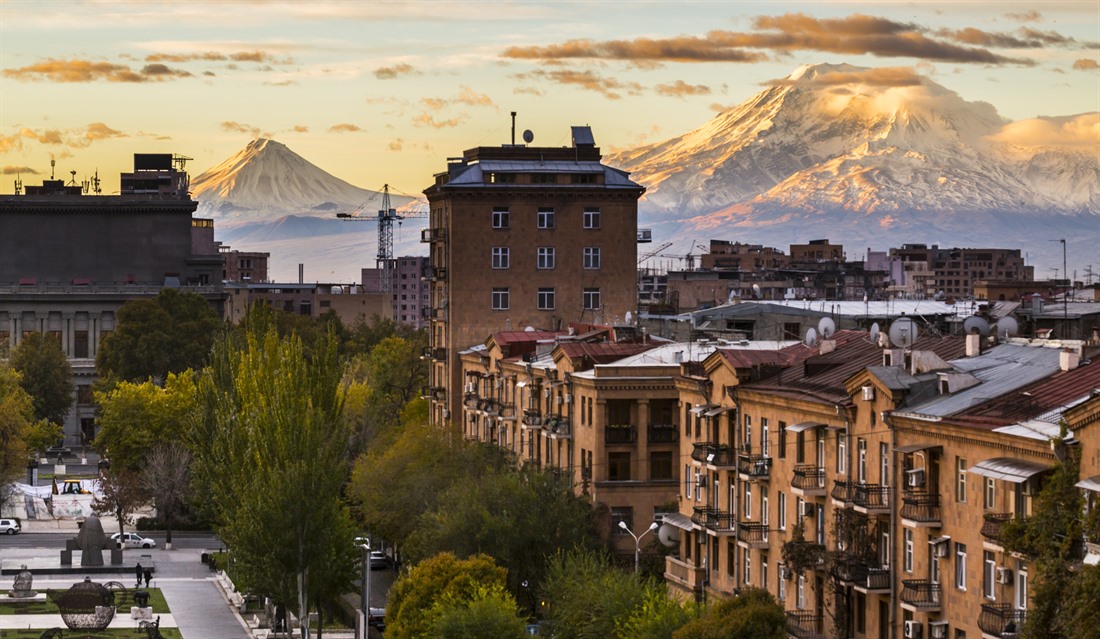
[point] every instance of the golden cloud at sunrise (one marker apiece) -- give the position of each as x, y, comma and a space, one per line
1080, 132
51, 70
679, 89
590, 80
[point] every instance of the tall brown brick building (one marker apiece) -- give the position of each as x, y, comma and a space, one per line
525, 236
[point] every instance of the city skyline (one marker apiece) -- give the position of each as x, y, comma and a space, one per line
382, 93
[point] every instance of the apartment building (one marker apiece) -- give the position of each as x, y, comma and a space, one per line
408, 290
952, 272
524, 236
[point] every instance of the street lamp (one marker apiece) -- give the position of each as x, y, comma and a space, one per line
364, 545
637, 540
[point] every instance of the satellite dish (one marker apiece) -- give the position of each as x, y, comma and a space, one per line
1007, 326
874, 333
756, 290
528, 137
975, 324
903, 332
668, 535
529, 329
629, 316
811, 337
731, 296
826, 327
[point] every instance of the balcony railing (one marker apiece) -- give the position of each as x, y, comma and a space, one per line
859, 572
843, 491
752, 533
991, 528
712, 454
438, 354
754, 466
721, 522
871, 497
663, 433
558, 427
1001, 620
921, 593
532, 418
620, 434
684, 573
923, 507
433, 235
435, 273
804, 624
700, 515
809, 479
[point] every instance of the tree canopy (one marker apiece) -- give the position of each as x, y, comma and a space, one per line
135, 417
169, 333
16, 420
46, 376
753, 614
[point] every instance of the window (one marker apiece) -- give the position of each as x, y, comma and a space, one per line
546, 257
764, 572
689, 484
500, 299
746, 440
861, 460
621, 514
884, 463
660, 465
591, 257
841, 451
782, 505
546, 299
731, 557
782, 440
591, 218
764, 448
960, 484
747, 506
590, 299
800, 596
500, 217
748, 567
990, 494
989, 576
1021, 586
908, 550
84, 395
500, 257
884, 549
618, 466
960, 566
545, 218
80, 344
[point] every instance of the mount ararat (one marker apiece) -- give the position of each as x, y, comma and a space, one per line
870, 158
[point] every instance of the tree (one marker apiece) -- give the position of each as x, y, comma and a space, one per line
268, 445
753, 614
120, 495
16, 419
657, 616
490, 612
386, 380
166, 478
169, 333
448, 581
587, 596
46, 376
135, 417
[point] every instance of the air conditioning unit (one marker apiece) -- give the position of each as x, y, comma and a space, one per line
868, 393
913, 630
1004, 575
914, 478
808, 509
937, 630
941, 549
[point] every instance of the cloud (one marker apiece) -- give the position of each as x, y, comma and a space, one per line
527, 91
590, 80
48, 136
87, 71
1086, 64
397, 145
237, 127
1027, 16
466, 96
75, 138
344, 127
435, 104
426, 120
1078, 132
855, 34
877, 77
218, 56
389, 73
301, 128
18, 170
281, 83
679, 89
100, 131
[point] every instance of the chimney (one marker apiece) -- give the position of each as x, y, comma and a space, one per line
1069, 360
973, 345
301, 273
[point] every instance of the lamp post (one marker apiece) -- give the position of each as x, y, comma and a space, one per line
364, 545
637, 540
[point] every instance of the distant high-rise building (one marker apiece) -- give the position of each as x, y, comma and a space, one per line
408, 290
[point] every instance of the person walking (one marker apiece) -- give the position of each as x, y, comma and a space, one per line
140, 572
148, 577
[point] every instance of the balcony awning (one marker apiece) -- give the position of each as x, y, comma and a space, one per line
521, 384
716, 411
803, 426
701, 408
913, 448
1016, 471
1092, 483
679, 520
935, 541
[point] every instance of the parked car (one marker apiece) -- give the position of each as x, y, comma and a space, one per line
133, 540
10, 526
378, 559
377, 619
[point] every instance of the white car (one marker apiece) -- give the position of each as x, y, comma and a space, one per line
10, 526
133, 540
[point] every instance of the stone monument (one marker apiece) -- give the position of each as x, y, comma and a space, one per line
91, 541
21, 589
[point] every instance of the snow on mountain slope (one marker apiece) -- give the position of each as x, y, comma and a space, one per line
266, 180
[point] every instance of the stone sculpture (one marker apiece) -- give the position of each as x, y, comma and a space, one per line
22, 589
92, 541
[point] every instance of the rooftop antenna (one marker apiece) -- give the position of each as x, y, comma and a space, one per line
975, 324
53, 163
18, 184
903, 332
826, 327
811, 338
1007, 326
72, 178
513, 128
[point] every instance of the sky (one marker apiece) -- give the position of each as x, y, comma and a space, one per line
380, 92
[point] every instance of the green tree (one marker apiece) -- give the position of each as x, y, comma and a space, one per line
16, 423
46, 376
444, 579
268, 447
753, 614
120, 495
135, 417
169, 333
385, 381
490, 612
1082, 602
586, 596
658, 615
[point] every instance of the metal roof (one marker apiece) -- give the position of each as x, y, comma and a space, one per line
1092, 483
802, 426
1009, 469
679, 520
474, 174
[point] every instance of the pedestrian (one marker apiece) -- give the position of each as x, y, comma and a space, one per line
140, 573
148, 576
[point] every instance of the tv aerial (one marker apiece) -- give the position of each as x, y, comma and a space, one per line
903, 332
976, 325
826, 327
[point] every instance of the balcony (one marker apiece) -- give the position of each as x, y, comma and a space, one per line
437, 354
433, 235
712, 454
663, 434
843, 492
684, 574
701, 514
721, 522
752, 535
620, 434
1001, 620
920, 594
859, 573
751, 467
920, 509
435, 273
808, 480
439, 313
532, 418
804, 624
558, 427
991, 528
871, 498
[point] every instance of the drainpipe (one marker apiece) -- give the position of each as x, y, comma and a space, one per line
893, 522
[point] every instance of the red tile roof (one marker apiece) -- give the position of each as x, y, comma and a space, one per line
602, 352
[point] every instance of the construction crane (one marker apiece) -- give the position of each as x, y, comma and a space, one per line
649, 254
385, 218
689, 257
